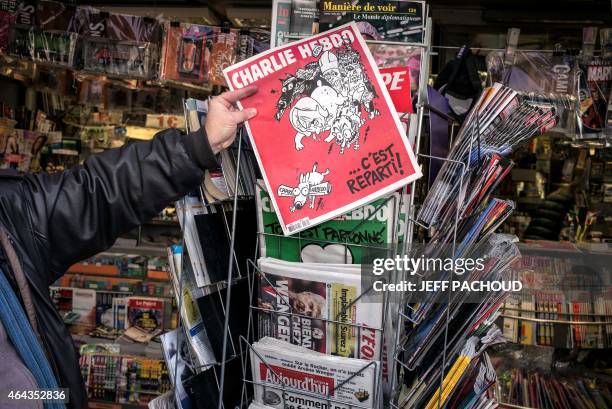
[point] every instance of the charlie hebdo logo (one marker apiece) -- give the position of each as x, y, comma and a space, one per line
311, 184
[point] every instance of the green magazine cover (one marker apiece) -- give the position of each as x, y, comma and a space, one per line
340, 240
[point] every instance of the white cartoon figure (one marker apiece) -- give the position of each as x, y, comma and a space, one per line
313, 115
308, 118
328, 62
360, 89
345, 129
330, 101
326, 96
311, 185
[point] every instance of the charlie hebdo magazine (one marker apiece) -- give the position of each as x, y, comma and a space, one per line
327, 137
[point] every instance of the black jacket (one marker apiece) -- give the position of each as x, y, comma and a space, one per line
50, 221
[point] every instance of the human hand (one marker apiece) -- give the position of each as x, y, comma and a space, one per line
224, 117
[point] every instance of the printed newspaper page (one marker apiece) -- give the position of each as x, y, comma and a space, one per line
307, 375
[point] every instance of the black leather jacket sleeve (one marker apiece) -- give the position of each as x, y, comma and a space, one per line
80, 212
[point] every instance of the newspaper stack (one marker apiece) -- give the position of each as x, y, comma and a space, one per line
310, 302
286, 375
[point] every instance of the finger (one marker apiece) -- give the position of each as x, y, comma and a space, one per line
232, 97
240, 116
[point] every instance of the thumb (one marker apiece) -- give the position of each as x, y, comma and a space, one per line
240, 116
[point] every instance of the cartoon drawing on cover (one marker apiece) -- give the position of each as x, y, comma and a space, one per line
302, 83
360, 89
327, 96
345, 130
313, 115
311, 184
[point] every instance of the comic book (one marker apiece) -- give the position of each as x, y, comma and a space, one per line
305, 374
343, 239
315, 293
391, 20
595, 89
327, 137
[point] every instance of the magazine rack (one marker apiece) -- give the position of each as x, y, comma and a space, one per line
393, 309
254, 272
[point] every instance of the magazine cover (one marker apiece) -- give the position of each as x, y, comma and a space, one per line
146, 313
369, 226
278, 363
176, 353
397, 81
595, 89
315, 294
391, 20
292, 20
222, 54
327, 138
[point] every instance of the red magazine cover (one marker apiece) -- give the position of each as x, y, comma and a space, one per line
326, 136
146, 313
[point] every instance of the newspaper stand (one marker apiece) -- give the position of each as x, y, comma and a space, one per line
390, 302
396, 307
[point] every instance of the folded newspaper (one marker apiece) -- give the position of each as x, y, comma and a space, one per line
306, 375
319, 307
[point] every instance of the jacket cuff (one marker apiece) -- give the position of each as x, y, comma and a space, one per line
199, 150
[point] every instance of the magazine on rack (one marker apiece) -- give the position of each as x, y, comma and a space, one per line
326, 137
277, 364
207, 238
391, 20
292, 20
190, 313
343, 239
315, 293
176, 354
595, 91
